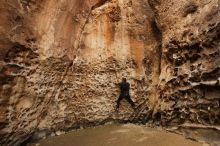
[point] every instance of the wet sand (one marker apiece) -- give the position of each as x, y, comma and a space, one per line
118, 135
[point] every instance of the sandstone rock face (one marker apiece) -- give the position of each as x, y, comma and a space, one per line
61, 61
189, 79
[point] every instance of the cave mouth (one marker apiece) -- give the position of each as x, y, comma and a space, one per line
117, 135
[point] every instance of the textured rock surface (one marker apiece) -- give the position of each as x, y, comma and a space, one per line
189, 79
60, 61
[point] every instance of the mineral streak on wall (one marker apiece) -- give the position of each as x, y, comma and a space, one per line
60, 61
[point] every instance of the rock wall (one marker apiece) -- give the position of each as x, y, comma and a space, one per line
61, 62
189, 79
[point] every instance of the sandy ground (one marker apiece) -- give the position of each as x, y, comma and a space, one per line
119, 135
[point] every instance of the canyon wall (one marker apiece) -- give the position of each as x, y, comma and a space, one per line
61, 60
189, 79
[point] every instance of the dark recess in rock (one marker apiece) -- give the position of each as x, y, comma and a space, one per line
190, 8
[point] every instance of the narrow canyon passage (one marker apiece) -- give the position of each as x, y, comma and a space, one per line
61, 62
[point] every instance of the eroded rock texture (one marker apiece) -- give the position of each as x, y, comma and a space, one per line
189, 79
61, 61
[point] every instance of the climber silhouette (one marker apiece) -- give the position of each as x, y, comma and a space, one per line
124, 87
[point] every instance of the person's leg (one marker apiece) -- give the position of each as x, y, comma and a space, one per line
119, 100
128, 98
